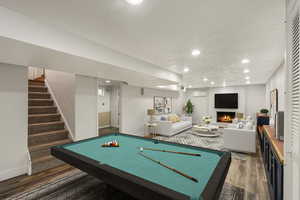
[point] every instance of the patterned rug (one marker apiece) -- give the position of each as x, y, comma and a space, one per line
77, 185
191, 138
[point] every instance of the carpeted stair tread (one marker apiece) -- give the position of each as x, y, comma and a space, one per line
48, 145
40, 102
45, 127
44, 163
35, 82
46, 137
43, 118
43, 115
43, 159
37, 88
48, 133
39, 95
47, 123
42, 109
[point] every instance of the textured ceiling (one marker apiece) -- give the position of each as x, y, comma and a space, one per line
164, 32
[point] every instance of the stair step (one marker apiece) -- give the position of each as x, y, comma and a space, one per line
39, 95
45, 127
42, 110
47, 146
37, 88
43, 118
47, 137
40, 102
35, 82
44, 163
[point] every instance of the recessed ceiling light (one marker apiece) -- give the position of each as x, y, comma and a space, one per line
134, 2
212, 83
205, 79
196, 52
107, 81
246, 71
247, 77
190, 86
245, 61
248, 82
186, 69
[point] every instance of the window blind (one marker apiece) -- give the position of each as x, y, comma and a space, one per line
295, 87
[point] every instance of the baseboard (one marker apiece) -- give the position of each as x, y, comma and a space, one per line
11, 173
107, 126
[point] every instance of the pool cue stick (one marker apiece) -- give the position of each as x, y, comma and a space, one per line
162, 150
168, 167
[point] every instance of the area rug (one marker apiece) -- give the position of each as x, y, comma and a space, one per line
191, 138
78, 185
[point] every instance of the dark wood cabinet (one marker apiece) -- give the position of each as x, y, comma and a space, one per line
272, 153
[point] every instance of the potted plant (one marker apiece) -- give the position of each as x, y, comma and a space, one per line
264, 111
189, 107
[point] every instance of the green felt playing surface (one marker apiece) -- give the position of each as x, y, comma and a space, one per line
126, 158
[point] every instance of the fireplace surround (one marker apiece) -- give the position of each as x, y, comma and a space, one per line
225, 117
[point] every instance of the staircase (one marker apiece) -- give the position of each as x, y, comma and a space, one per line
45, 127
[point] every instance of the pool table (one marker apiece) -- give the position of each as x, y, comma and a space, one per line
125, 169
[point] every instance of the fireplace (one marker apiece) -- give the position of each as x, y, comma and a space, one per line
225, 117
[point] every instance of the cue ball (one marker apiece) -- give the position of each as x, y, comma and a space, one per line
141, 149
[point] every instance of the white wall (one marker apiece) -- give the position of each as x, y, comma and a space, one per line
199, 98
277, 81
251, 100
255, 99
134, 107
13, 121
86, 116
63, 87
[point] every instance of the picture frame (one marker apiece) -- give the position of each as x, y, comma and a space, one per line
162, 105
273, 103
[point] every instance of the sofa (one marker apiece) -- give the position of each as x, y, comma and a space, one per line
240, 139
169, 128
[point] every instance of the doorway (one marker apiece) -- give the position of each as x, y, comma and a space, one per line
108, 106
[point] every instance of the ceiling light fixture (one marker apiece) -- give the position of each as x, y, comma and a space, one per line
196, 52
134, 2
248, 82
212, 83
247, 77
245, 61
107, 81
205, 79
186, 69
246, 71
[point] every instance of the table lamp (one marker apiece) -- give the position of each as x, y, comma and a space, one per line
151, 112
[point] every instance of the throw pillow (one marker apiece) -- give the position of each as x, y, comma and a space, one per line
172, 118
163, 118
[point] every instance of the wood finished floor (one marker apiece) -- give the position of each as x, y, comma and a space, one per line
245, 174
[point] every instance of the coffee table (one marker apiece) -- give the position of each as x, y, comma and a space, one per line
206, 131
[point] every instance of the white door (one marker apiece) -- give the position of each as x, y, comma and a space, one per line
200, 108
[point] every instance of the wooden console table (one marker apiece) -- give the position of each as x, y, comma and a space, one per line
273, 157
